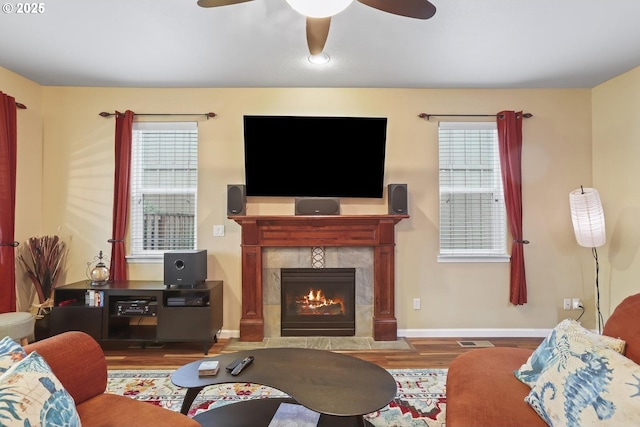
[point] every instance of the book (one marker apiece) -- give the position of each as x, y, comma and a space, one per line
294, 415
208, 368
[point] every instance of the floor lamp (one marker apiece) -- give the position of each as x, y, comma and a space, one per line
588, 224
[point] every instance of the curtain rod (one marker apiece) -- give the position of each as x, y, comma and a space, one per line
207, 115
21, 106
428, 116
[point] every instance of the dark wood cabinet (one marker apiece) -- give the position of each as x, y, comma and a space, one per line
144, 311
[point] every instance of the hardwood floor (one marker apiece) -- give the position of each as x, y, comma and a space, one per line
424, 353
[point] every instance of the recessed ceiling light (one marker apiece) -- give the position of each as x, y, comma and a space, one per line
319, 59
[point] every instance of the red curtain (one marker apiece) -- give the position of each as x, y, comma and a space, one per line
124, 123
8, 149
510, 143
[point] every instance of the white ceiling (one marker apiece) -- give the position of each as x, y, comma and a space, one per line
262, 43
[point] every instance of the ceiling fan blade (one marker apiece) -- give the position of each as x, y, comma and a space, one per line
420, 9
216, 3
317, 33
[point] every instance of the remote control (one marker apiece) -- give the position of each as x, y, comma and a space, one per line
233, 364
245, 362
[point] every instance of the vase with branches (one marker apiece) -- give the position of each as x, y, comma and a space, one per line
43, 259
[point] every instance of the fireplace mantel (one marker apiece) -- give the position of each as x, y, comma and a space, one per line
260, 231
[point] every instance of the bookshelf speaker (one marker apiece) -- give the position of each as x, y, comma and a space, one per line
236, 199
397, 199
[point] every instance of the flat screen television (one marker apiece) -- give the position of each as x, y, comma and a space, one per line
305, 156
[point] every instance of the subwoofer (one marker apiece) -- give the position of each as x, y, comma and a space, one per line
236, 199
397, 199
185, 268
317, 206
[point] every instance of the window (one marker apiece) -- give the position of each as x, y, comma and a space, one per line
164, 181
472, 210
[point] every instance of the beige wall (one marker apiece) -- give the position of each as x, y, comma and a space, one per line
616, 153
78, 180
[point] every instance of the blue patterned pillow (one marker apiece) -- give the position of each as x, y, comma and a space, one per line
566, 333
10, 353
597, 387
31, 395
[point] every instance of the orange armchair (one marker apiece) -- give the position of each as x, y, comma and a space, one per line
78, 362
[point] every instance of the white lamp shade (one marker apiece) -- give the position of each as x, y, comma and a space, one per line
587, 216
319, 8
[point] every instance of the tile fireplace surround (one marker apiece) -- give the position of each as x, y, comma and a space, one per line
346, 238
274, 259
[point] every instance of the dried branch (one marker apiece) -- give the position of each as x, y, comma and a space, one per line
43, 263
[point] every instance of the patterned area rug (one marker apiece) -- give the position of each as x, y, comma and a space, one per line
420, 400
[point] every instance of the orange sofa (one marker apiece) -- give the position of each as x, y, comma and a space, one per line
78, 361
482, 389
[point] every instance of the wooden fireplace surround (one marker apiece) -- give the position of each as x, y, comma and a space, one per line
260, 231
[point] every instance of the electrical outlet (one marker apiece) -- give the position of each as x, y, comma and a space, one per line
567, 304
576, 304
416, 303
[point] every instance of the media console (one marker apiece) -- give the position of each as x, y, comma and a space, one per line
144, 311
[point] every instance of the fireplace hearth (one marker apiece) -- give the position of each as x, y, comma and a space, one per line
318, 301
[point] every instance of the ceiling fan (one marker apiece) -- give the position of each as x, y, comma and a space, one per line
318, 21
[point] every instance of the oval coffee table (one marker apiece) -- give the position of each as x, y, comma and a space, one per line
340, 387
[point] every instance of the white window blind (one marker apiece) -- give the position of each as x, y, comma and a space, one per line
472, 210
164, 180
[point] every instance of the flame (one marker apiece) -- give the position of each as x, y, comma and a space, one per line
316, 299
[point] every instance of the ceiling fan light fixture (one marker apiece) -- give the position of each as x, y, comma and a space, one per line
319, 9
319, 59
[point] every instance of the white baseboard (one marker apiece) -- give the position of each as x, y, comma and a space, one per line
227, 333
446, 333
473, 333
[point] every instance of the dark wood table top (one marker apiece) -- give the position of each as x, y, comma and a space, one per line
323, 381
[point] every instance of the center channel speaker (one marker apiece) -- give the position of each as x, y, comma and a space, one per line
236, 199
317, 206
397, 199
185, 268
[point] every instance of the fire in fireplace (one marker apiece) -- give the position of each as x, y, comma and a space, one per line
318, 301
316, 304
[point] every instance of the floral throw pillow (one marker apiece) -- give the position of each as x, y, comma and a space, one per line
31, 395
596, 387
10, 352
566, 333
